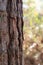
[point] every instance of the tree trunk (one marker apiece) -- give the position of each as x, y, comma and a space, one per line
11, 32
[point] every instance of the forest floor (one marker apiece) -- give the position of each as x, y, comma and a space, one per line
33, 48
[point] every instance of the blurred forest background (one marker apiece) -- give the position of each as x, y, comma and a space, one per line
33, 32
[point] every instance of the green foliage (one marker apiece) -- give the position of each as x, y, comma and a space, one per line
33, 31
33, 16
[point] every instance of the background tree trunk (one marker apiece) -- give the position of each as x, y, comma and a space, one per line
11, 32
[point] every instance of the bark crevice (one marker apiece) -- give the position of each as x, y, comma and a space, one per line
12, 38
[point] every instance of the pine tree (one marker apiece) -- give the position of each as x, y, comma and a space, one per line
11, 32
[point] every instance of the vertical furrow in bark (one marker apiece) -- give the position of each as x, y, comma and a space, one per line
11, 53
20, 29
10, 36
16, 41
14, 9
13, 35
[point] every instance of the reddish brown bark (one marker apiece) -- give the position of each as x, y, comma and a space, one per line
11, 32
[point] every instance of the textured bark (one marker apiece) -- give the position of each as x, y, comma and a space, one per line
11, 32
